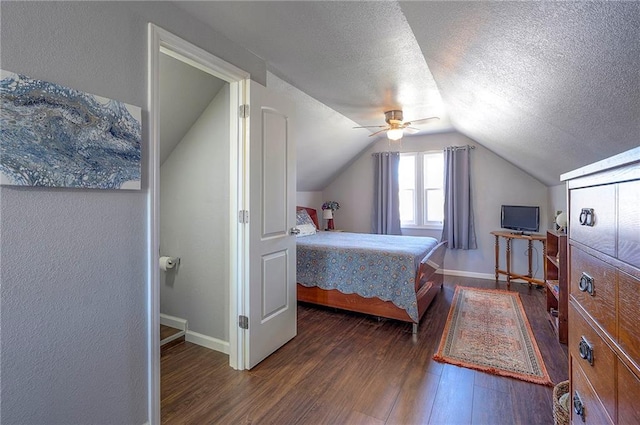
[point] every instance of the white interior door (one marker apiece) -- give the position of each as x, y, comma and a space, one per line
272, 264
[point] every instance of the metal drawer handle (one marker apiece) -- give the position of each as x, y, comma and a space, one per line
578, 407
587, 217
586, 350
587, 284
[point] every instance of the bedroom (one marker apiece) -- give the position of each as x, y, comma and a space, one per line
98, 304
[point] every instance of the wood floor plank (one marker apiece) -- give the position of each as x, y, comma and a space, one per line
347, 368
416, 398
323, 413
453, 403
166, 331
491, 407
530, 403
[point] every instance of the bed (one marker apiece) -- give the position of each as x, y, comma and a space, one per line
382, 275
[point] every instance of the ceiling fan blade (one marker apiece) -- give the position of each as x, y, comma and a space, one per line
378, 132
421, 120
411, 130
373, 126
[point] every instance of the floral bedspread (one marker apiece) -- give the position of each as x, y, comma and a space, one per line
382, 266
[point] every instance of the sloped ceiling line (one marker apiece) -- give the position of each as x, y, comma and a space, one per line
549, 86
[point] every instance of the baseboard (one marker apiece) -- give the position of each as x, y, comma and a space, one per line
173, 322
475, 275
208, 342
173, 337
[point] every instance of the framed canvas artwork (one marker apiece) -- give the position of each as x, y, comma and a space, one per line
55, 136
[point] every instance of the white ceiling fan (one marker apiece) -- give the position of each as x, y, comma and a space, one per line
395, 127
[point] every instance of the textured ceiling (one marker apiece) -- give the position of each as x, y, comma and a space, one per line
549, 86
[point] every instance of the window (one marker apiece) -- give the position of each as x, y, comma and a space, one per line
421, 180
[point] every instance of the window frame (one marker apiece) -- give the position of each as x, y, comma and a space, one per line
419, 194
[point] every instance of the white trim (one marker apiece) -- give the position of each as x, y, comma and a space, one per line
208, 342
173, 322
237, 202
172, 337
419, 197
153, 225
160, 40
423, 227
476, 275
237, 292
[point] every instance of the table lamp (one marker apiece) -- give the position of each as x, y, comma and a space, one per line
328, 215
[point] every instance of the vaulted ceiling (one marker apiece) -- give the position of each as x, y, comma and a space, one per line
549, 86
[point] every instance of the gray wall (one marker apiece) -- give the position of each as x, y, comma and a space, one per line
194, 223
74, 262
312, 200
495, 182
557, 200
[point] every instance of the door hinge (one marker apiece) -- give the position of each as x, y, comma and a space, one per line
243, 322
243, 111
243, 216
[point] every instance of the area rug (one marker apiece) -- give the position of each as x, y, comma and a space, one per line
487, 330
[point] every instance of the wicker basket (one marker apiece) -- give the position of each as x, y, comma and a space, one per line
560, 416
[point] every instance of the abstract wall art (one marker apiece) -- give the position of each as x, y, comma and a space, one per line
54, 136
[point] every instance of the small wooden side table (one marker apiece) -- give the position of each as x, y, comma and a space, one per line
509, 236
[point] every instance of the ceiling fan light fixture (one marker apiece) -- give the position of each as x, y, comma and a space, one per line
395, 134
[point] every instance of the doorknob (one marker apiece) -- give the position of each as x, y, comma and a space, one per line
294, 231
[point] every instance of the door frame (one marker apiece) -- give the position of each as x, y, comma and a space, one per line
162, 41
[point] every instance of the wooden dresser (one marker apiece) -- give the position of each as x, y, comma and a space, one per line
604, 288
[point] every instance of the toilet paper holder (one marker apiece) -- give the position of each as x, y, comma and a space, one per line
168, 263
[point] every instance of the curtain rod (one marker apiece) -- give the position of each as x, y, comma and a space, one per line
455, 148
385, 153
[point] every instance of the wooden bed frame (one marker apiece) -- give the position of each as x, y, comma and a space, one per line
428, 283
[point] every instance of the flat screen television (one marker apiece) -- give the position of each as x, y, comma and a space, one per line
520, 218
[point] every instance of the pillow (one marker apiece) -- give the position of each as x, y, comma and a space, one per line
303, 217
306, 229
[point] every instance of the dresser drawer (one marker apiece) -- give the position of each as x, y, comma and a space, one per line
629, 222
628, 312
628, 396
594, 412
599, 368
597, 229
601, 302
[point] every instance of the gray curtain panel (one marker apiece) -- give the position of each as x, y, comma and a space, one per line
458, 228
386, 197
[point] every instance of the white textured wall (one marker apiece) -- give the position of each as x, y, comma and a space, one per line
194, 223
310, 199
495, 182
557, 200
74, 262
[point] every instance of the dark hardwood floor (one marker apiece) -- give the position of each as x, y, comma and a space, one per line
346, 368
166, 332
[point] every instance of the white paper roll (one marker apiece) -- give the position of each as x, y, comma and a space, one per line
167, 263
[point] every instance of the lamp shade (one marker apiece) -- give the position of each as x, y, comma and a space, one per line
394, 134
327, 214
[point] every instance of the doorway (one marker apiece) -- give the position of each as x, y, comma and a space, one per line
212, 203
194, 203
261, 173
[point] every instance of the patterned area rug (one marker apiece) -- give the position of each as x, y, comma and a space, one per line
487, 330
